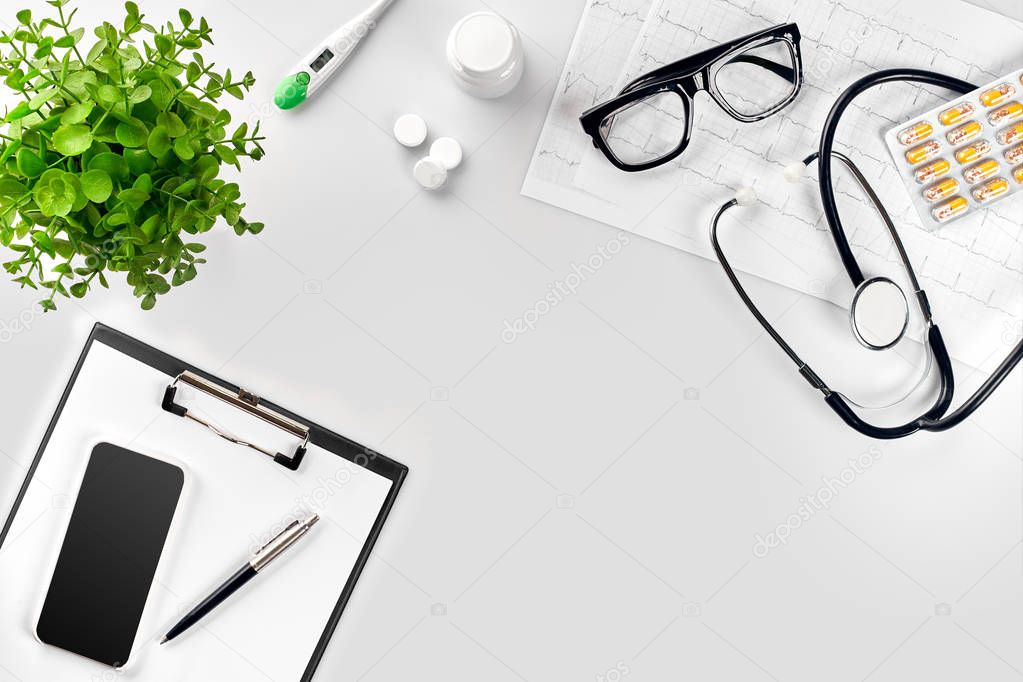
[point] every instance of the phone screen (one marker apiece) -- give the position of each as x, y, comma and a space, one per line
110, 553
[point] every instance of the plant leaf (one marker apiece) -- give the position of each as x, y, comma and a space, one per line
140, 94
76, 113
97, 185
109, 94
44, 242
159, 141
164, 44
183, 149
98, 49
135, 198
11, 188
72, 140
42, 98
151, 227
226, 154
139, 161
132, 133
186, 187
173, 123
29, 163
114, 165
20, 111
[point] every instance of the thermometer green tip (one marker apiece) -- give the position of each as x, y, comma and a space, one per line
292, 91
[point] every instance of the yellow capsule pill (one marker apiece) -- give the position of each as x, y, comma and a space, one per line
991, 189
1006, 113
950, 209
935, 169
980, 171
1017, 172
997, 94
925, 152
972, 152
915, 132
956, 114
1010, 135
941, 190
964, 133
1014, 154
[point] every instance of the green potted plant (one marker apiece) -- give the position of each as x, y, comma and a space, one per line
109, 162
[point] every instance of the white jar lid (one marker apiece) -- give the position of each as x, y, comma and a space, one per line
483, 44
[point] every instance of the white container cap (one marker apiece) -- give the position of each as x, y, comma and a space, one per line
486, 55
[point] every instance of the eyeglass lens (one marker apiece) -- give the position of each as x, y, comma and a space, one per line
647, 129
752, 82
758, 80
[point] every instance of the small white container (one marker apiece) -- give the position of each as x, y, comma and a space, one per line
485, 53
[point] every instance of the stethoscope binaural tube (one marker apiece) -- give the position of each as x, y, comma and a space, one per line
834, 399
934, 419
928, 422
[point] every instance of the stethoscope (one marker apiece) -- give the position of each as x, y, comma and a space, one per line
879, 310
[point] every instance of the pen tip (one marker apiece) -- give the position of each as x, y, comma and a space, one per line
163, 641
313, 519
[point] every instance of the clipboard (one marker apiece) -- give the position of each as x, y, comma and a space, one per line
301, 453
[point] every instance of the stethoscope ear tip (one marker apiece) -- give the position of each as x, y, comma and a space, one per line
794, 171
745, 196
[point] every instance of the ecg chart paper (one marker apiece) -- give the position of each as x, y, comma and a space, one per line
602, 46
972, 269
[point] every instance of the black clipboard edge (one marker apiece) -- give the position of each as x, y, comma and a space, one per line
46, 438
324, 438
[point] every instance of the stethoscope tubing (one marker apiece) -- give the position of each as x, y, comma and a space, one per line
935, 419
827, 144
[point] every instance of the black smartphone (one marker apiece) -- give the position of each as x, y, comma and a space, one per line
112, 547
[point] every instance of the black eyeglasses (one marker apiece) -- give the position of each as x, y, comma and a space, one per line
651, 121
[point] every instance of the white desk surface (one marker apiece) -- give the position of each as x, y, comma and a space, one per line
583, 502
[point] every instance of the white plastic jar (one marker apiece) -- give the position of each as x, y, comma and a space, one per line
485, 53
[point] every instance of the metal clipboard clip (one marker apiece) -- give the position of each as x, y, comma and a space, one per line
246, 402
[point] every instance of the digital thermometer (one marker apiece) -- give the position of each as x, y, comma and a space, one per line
319, 65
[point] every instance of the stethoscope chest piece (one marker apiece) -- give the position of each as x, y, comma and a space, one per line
879, 314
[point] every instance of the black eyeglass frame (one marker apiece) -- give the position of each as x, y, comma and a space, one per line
688, 76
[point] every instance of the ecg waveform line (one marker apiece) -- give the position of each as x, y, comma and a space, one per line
975, 275
969, 271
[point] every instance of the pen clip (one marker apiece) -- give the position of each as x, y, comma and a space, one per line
281, 542
275, 538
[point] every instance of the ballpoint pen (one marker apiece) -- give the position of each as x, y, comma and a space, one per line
260, 560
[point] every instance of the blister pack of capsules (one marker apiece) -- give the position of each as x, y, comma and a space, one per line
963, 155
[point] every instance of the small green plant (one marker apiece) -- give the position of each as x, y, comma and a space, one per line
111, 161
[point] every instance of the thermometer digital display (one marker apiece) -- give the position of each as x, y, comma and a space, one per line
322, 60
